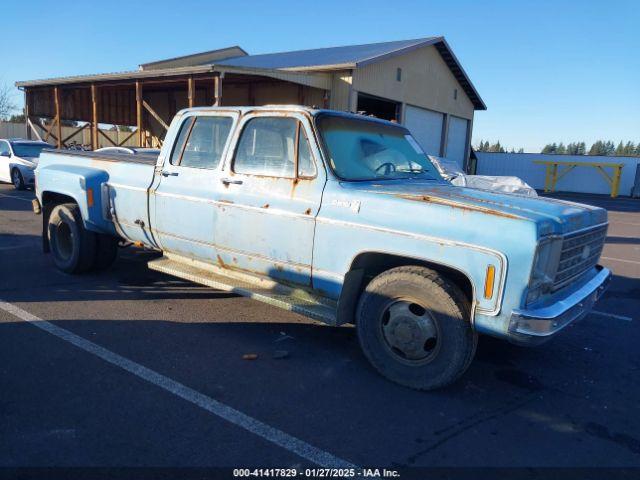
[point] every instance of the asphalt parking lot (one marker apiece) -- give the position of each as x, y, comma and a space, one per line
571, 402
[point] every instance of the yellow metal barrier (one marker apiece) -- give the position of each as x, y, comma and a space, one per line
553, 174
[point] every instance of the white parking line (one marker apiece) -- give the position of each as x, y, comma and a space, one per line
219, 409
16, 198
621, 260
611, 315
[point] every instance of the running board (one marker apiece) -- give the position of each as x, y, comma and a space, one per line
261, 289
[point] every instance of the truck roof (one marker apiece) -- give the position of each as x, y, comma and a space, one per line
287, 108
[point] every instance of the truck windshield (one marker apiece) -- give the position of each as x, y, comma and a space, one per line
370, 150
32, 150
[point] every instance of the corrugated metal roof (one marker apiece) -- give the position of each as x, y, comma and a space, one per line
353, 56
324, 57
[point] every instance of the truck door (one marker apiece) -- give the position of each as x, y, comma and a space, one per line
183, 200
272, 190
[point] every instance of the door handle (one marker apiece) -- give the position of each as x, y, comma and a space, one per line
229, 181
166, 173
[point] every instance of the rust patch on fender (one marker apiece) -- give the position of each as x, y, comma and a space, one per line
221, 262
266, 205
457, 205
230, 202
307, 211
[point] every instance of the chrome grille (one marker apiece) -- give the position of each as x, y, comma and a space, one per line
580, 252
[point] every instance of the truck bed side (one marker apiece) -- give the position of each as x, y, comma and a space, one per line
110, 189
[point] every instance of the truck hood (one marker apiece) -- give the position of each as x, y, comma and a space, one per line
551, 215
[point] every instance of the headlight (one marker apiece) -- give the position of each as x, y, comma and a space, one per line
544, 268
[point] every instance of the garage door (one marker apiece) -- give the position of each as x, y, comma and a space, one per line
426, 127
457, 140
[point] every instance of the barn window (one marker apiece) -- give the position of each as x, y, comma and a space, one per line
399, 74
455, 93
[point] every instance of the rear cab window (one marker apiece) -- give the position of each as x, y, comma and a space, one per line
201, 142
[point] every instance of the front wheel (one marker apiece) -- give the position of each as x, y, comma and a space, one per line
17, 180
413, 326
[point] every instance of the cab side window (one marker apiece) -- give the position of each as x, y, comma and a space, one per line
201, 142
267, 147
178, 146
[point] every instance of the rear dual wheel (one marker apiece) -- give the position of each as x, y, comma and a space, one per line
74, 248
413, 327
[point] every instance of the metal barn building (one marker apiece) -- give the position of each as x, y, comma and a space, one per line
418, 83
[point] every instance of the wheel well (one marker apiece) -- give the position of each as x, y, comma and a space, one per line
368, 265
49, 201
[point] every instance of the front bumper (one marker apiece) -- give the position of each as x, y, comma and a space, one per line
534, 326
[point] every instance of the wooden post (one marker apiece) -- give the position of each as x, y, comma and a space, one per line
94, 117
26, 114
191, 91
56, 94
139, 113
217, 90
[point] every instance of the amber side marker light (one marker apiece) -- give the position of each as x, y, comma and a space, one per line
488, 281
90, 197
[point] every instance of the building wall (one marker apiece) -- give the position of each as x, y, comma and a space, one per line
340, 89
426, 82
580, 179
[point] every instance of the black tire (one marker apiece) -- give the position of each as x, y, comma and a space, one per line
413, 327
106, 251
72, 246
17, 180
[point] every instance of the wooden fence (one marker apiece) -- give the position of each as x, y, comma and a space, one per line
81, 137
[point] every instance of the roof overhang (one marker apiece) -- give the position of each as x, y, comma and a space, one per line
311, 79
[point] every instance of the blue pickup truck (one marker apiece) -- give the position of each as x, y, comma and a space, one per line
339, 217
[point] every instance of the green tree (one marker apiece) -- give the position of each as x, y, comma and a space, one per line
619, 149
629, 148
561, 149
496, 147
598, 148
550, 148
19, 118
609, 147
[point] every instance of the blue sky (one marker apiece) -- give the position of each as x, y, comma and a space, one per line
547, 70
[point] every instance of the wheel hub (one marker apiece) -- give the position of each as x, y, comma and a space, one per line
409, 331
